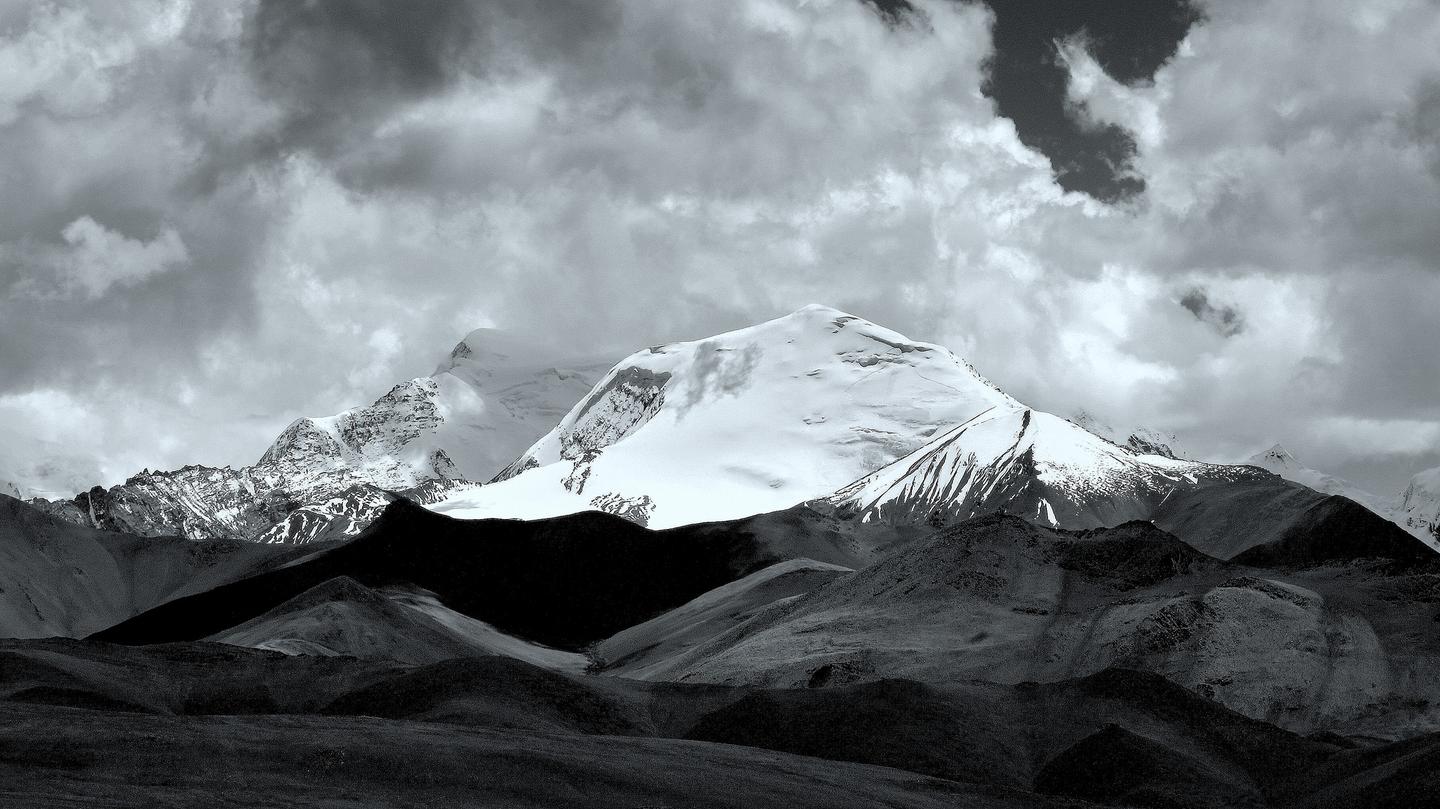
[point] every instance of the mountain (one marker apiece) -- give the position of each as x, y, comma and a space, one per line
1117, 737
1025, 462
1144, 440
1420, 506
563, 582
630, 652
742, 423
1340, 644
321, 478
1052, 472
57, 578
1417, 509
403, 625
1277, 459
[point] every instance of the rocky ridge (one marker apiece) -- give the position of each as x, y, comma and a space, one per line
326, 478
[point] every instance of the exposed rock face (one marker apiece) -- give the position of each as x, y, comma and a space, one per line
323, 478
197, 502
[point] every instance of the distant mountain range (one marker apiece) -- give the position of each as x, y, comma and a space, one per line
818, 406
323, 478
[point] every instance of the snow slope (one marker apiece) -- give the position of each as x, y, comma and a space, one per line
1026, 462
746, 422
1417, 510
1420, 507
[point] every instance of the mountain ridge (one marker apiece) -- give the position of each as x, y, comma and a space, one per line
1417, 509
322, 477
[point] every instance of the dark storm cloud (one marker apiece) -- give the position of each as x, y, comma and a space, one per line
1029, 81
1225, 319
1423, 124
340, 67
337, 66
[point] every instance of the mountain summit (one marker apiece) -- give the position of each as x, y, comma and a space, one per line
748, 421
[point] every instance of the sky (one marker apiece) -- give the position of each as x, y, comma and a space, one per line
1216, 217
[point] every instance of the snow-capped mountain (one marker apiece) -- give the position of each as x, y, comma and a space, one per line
1026, 462
748, 421
1144, 440
1420, 507
1277, 459
322, 477
1417, 509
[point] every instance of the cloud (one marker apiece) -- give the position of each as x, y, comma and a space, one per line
96, 259
1224, 318
1028, 76
356, 185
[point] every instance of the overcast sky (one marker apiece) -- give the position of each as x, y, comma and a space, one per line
1221, 218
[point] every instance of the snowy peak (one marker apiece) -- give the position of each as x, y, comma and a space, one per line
1026, 462
751, 420
815, 347
1277, 459
489, 352
1419, 510
375, 444
1144, 440
322, 477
